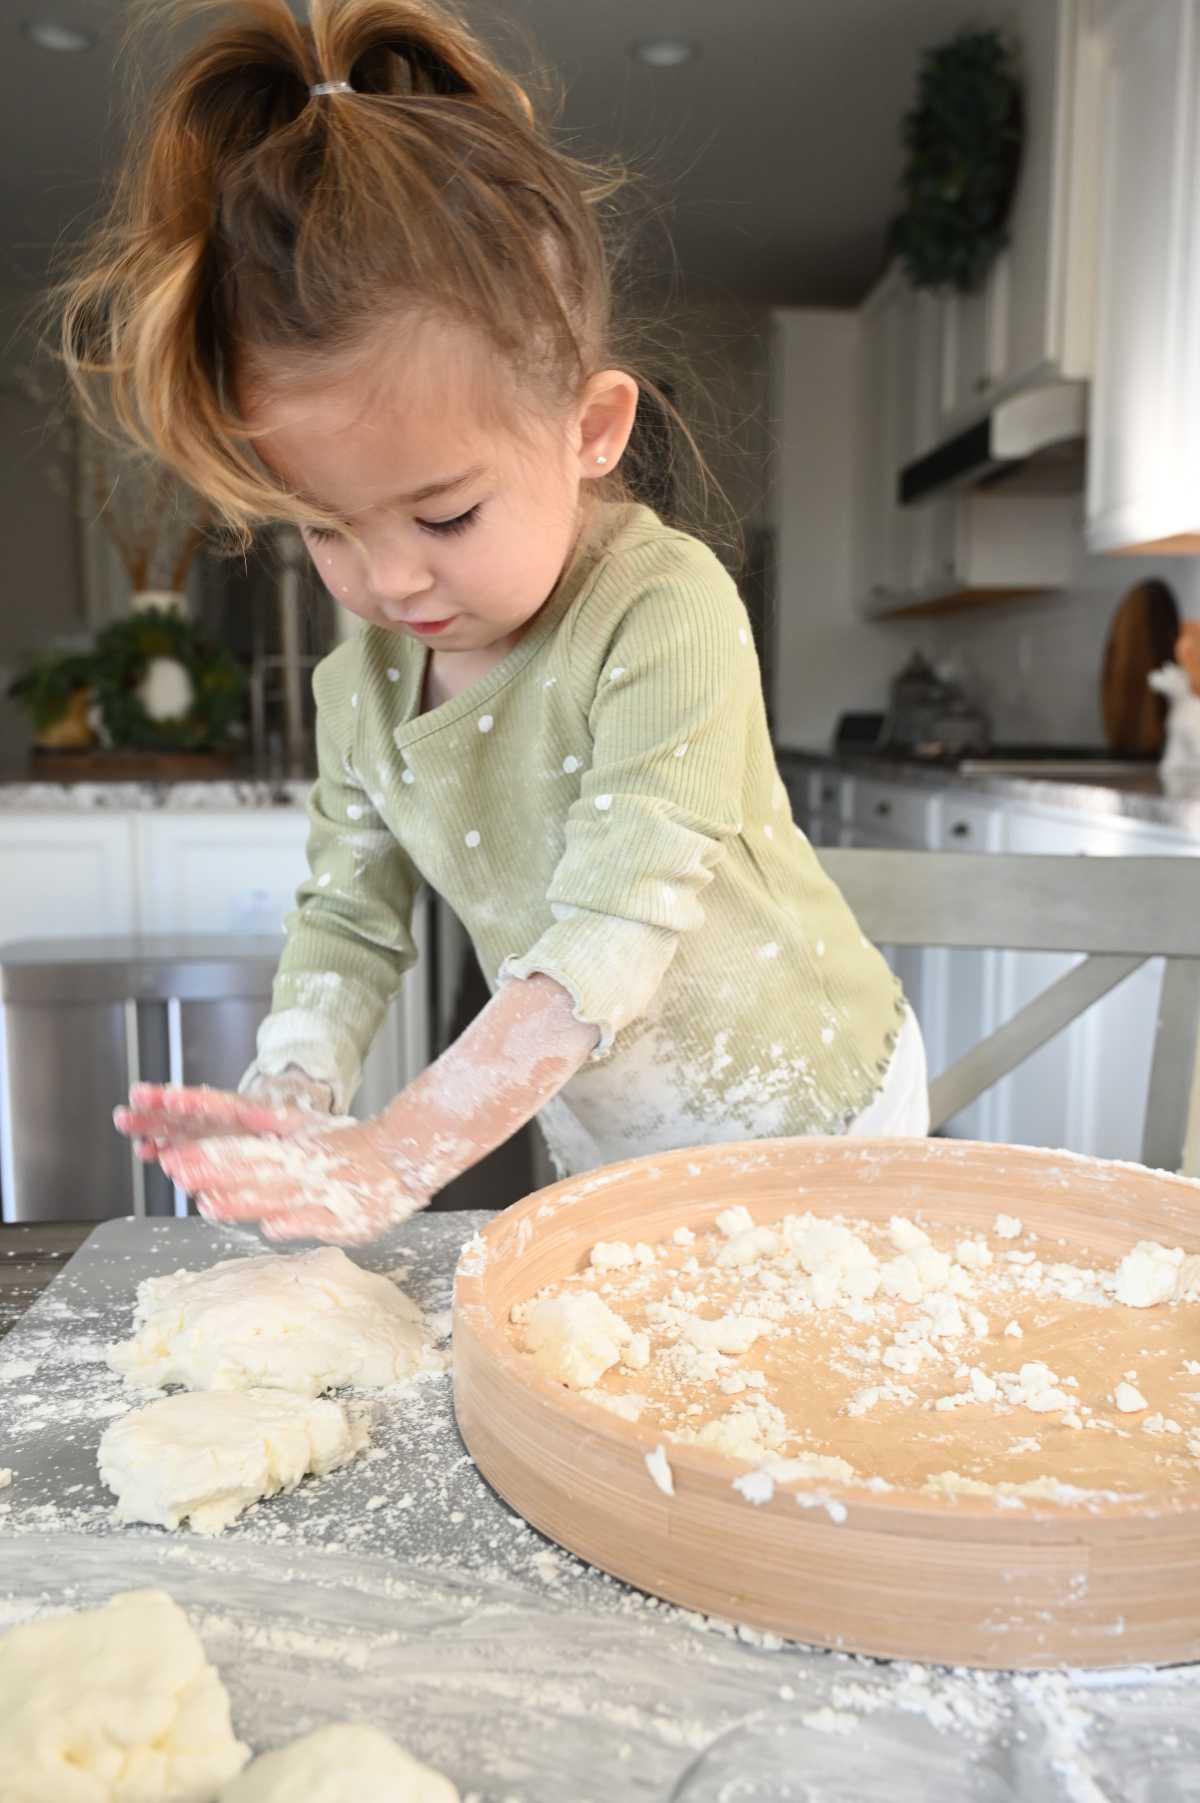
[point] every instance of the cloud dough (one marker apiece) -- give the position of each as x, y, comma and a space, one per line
207, 1455
307, 1321
345, 1763
113, 1705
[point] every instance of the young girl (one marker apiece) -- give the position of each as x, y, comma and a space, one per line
347, 282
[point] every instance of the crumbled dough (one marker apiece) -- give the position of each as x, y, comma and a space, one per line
659, 1468
732, 1221
575, 1338
617, 1255
1008, 1227
744, 1248
206, 1456
113, 1705
729, 1333
905, 1235
1151, 1274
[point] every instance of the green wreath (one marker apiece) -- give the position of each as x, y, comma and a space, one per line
124, 654
963, 139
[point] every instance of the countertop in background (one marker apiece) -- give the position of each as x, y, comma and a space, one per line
21, 794
1135, 794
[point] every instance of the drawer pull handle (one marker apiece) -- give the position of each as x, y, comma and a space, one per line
883, 809
960, 830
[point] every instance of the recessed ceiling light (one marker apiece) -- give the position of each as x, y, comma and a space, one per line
664, 53
50, 35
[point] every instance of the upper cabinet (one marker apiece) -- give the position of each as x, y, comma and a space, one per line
1144, 431
934, 363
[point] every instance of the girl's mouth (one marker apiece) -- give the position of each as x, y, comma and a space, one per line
429, 627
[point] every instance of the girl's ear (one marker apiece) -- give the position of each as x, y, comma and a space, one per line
606, 416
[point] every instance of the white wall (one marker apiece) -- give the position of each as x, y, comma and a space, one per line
828, 659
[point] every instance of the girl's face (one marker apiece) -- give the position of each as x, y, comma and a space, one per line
464, 528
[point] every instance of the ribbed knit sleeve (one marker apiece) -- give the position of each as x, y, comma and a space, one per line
349, 939
666, 680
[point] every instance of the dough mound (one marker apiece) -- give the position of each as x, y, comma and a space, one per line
305, 1321
209, 1455
113, 1705
345, 1763
575, 1338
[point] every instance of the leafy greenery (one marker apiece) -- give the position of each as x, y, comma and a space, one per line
963, 139
114, 671
45, 688
124, 652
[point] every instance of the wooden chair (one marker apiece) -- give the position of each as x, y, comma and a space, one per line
1119, 911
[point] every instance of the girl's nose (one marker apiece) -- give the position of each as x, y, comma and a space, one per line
396, 582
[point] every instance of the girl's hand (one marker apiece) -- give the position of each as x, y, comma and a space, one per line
341, 1183
161, 1115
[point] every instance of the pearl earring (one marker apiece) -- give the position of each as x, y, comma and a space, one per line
602, 460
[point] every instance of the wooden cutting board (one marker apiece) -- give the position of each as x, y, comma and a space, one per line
1141, 638
896, 1573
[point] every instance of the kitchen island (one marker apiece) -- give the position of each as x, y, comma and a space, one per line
1098, 790
403, 1591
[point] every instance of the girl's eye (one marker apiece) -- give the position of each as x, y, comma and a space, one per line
321, 534
456, 525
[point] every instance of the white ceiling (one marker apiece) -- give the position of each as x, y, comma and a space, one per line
775, 155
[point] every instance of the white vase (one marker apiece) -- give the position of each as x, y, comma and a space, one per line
166, 600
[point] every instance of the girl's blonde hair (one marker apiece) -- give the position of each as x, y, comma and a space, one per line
258, 231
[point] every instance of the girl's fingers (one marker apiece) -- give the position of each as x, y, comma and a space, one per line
312, 1223
221, 1116
249, 1202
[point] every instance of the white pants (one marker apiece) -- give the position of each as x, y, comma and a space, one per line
901, 1108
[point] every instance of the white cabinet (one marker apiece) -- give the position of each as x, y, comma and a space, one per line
66, 873
1033, 318
238, 872
887, 409
220, 872
71, 874
974, 345
934, 363
1144, 435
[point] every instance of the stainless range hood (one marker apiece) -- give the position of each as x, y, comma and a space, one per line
1034, 439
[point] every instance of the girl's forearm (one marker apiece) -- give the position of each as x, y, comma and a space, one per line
518, 1052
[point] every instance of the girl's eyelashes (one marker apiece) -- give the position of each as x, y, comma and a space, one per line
321, 534
459, 524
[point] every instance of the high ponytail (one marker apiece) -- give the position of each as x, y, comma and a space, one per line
256, 229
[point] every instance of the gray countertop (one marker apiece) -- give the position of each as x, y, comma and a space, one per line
403, 1591
1134, 794
21, 794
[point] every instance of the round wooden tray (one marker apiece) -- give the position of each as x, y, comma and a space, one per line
905, 1575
